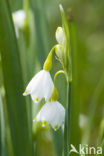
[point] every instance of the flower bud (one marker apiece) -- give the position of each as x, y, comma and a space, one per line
60, 36
59, 51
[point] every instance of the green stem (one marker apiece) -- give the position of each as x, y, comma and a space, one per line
67, 120
56, 74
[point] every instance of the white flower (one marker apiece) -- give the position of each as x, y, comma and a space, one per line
52, 113
19, 20
41, 86
19, 17
60, 35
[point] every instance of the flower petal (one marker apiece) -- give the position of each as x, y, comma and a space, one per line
19, 17
53, 113
41, 86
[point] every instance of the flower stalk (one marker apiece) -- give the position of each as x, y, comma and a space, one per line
67, 119
58, 73
55, 94
63, 51
48, 63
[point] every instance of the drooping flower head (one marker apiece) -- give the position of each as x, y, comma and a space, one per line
41, 86
52, 113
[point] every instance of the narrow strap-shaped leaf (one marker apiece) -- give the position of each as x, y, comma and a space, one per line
75, 134
2, 130
92, 109
41, 26
16, 105
58, 141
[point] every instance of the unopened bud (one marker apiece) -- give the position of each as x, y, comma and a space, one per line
60, 35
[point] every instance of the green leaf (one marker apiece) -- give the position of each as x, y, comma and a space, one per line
16, 105
2, 130
42, 35
75, 130
58, 143
92, 109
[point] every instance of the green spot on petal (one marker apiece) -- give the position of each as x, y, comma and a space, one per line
36, 99
35, 119
44, 123
50, 99
25, 92
56, 127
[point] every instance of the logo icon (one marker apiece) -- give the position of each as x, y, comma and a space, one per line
73, 149
85, 149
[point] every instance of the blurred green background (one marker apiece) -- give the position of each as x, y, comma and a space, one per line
33, 47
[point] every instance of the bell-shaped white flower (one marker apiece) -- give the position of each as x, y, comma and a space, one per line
41, 86
60, 35
19, 20
52, 113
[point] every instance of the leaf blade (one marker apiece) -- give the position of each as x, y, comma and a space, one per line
16, 105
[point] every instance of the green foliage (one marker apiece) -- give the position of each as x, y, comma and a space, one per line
2, 130
16, 105
75, 110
